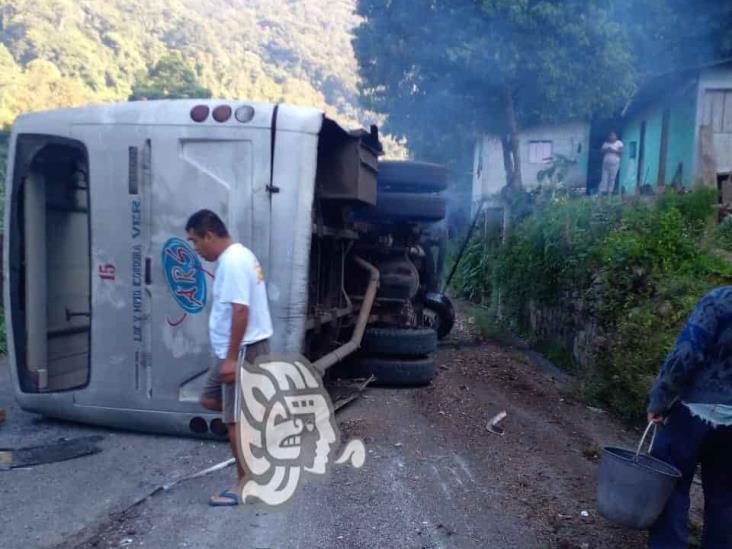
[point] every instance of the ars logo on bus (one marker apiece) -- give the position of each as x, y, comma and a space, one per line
185, 275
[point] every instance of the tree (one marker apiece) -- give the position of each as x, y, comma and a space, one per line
169, 78
50, 89
446, 70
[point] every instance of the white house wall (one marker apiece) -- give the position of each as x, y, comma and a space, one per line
489, 175
571, 140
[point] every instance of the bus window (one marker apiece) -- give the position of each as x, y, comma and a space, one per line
50, 263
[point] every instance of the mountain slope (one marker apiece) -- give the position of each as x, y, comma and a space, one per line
65, 52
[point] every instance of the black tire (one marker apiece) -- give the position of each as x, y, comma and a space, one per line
399, 342
407, 207
444, 312
418, 177
396, 372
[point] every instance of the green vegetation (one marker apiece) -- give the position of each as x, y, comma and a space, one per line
486, 324
169, 78
724, 234
635, 270
56, 53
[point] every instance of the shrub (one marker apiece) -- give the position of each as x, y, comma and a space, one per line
724, 234
638, 269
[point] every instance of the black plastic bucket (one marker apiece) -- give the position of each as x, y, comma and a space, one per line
633, 488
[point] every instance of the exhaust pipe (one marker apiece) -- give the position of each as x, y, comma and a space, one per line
198, 425
335, 356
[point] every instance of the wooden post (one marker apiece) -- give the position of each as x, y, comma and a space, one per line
663, 153
707, 163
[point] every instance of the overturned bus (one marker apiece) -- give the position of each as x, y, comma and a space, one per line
106, 303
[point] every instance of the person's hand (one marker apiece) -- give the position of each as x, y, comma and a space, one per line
227, 370
655, 418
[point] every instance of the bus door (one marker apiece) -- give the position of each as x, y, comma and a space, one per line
225, 170
48, 263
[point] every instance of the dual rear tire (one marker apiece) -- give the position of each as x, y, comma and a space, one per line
408, 192
396, 357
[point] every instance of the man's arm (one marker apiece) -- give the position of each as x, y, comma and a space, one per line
239, 321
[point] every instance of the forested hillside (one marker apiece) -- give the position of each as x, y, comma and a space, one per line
70, 52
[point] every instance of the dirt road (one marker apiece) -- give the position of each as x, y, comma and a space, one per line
434, 477
546, 463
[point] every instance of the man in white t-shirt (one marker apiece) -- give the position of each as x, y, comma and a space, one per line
612, 150
239, 322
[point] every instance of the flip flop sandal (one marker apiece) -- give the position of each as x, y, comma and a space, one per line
228, 494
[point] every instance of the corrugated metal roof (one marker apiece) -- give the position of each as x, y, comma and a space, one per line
667, 85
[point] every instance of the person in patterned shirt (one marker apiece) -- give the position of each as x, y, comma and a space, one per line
691, 400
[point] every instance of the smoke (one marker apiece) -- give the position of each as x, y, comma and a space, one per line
667, 35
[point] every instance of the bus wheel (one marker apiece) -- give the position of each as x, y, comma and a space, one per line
400, 342
439, 314
409, 176
396, 372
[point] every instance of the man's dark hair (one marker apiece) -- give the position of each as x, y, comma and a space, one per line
206, 221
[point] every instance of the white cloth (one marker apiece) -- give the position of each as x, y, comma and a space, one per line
239, 279
611, 151
715, 414
609, 175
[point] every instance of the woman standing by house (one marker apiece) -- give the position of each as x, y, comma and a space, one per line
612, 150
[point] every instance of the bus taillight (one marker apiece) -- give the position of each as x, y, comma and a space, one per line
199, 113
